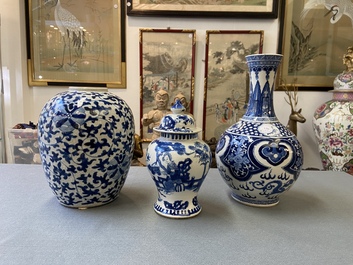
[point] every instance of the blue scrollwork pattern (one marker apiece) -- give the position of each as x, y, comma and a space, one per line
258, 169
86, 142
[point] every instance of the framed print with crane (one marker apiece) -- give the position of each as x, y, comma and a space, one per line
76, 43
316, 35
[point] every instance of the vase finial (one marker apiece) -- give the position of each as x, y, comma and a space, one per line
348, 59
178, 108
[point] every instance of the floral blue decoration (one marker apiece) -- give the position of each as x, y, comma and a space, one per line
86, 142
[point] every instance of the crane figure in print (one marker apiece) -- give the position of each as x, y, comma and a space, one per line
337, 8
71, 32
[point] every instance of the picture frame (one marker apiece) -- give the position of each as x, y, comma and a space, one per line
226, 86
312, 46
167, 66
90, 52
204, 8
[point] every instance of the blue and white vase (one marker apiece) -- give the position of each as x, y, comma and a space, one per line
258, 157
86, 143
178, 162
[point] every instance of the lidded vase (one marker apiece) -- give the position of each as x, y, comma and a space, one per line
258, 157
178, 163
333, 122
86, 143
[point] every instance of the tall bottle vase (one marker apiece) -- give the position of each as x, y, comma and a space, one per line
258, 157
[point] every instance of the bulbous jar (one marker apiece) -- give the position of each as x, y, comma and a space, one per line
86, 142
333, 122
178, 163
258, 157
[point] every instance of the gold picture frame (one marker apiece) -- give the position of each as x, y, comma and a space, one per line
76, 43
313, 44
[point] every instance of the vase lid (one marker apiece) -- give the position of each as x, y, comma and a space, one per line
178, 122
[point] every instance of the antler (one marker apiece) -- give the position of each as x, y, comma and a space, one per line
292, 95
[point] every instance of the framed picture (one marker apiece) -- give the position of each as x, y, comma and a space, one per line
204, 8
167, 59
226, 78
315, 38
79, 43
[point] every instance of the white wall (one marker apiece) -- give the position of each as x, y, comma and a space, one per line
23, 103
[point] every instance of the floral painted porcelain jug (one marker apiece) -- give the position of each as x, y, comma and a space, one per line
178, 163
333, 122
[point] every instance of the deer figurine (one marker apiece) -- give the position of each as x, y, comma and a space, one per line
295, 115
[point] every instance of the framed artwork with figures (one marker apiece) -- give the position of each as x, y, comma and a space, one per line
316, 35
226, 78
167, 59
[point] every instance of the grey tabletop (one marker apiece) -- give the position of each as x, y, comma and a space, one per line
312, 224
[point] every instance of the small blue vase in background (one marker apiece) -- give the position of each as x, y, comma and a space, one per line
86, 142
258, 157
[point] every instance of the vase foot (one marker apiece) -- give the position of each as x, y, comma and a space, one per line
85, 206
262, 204
177, 214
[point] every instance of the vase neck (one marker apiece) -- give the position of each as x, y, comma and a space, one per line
262, 80
89, 89
343, 96
179, 136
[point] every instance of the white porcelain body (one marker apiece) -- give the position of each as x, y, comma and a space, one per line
333, 127
178, 165
258, 157
86, 142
